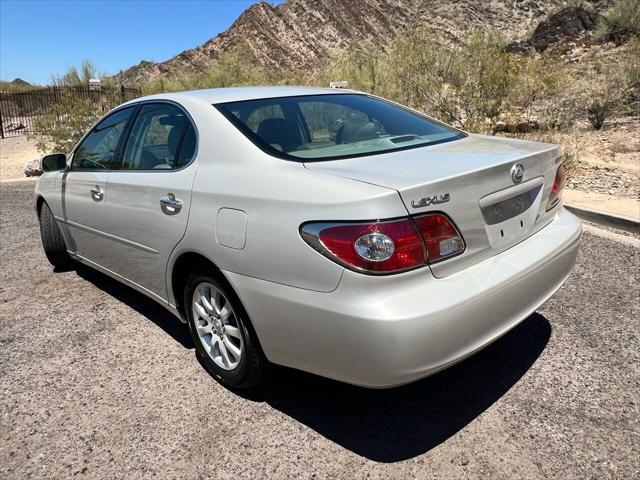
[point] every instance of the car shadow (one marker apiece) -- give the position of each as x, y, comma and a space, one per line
401, 423
140, 303
381, 425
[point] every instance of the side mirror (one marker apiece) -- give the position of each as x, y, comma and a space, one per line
53, 162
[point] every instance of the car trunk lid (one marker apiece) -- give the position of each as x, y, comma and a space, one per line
471, 181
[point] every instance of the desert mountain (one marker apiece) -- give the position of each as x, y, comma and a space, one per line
18, 82
298, 33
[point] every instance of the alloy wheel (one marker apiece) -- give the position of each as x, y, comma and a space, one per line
217, 325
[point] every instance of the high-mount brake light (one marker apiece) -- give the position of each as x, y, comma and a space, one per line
390, 246
556, 189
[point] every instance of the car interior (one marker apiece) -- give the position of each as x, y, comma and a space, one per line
333, 126
155, 143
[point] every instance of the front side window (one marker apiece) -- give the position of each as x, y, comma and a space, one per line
156, 138
99, 150
333, 126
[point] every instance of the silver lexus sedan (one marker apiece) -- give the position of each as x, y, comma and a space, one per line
326, 230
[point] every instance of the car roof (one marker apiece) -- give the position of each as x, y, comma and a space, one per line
237, 94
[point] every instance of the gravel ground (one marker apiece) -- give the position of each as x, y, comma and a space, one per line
14, 152
96, 381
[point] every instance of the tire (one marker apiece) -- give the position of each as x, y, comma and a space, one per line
52, 241
218, 330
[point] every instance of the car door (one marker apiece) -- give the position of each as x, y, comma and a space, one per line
150, 195
84, 187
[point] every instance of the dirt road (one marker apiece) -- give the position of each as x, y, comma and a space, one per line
98, 382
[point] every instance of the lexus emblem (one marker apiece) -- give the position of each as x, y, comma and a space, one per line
517, 173
435, 200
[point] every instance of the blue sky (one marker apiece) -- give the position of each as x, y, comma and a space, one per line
42, 38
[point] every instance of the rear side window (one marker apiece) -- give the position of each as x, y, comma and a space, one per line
98, 151
333, 126
188, 147
156, 138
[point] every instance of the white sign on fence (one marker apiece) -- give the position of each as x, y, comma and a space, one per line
95, 84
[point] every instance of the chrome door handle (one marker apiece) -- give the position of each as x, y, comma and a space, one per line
170, 204
97, 193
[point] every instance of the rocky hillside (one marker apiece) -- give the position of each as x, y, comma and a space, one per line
298, 33
567, 26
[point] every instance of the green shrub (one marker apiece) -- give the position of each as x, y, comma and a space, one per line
73, 112
77, 77
619, 22
475, 84
540, 81
466, 85
484, 76
597, 112
238, 67
606, 92
630, 70
364, 68
70, 117
425, 75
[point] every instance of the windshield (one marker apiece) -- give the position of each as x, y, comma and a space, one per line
333, 126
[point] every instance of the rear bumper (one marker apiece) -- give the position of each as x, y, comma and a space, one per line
386, 331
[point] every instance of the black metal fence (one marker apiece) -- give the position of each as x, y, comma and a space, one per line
21, 110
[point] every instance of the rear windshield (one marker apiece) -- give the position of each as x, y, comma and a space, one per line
333, 126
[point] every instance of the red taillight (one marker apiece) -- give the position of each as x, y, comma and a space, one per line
440, 236
375, 247
386, 246
556, 189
